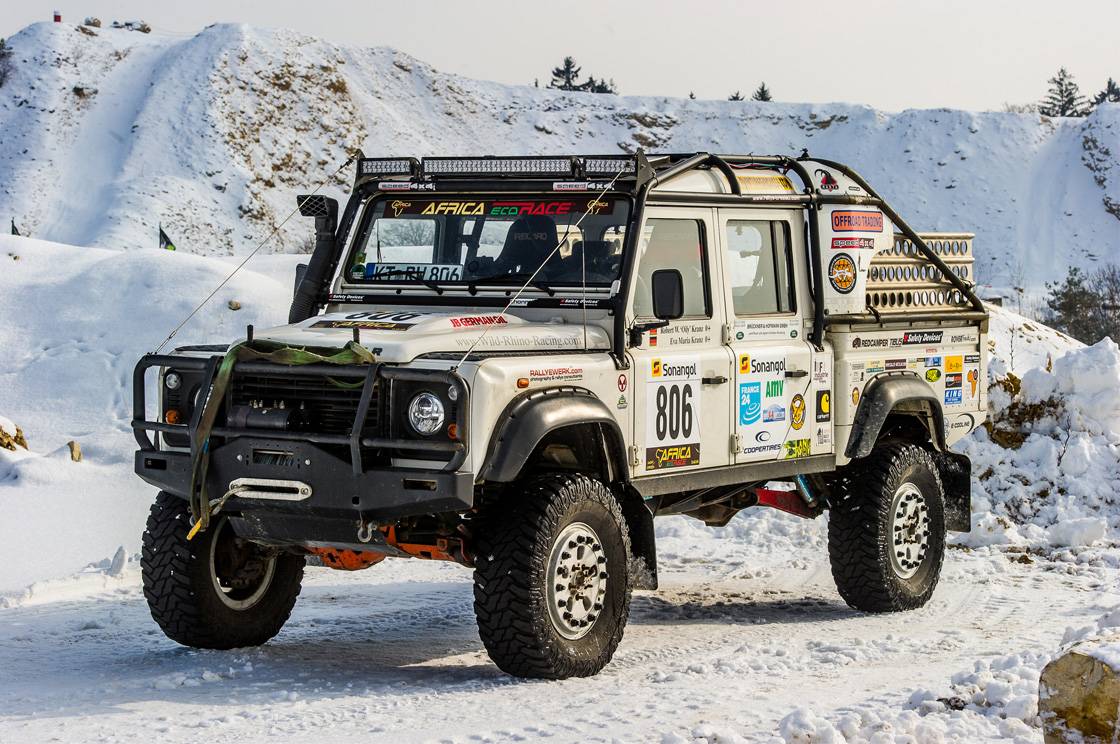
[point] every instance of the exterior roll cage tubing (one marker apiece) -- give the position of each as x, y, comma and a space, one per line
724, 164
909, 232
651, 171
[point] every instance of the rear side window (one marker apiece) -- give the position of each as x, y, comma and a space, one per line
674, 244
759, 266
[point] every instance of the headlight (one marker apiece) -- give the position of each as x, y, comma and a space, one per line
172, 380
425, 413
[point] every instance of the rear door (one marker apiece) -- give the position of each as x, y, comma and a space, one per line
681, 373
782, 407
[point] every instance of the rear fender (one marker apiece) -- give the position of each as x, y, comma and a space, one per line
888, 394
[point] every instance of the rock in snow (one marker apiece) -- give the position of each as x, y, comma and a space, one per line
1079, 693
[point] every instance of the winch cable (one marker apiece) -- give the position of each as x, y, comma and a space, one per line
533, 277
299, 205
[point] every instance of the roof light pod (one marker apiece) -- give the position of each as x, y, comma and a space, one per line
543, 166
387, 166
609, 166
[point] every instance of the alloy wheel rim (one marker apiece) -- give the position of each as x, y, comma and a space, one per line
909, 529
239, 573
576, 581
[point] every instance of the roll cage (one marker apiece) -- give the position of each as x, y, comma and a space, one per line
634, 176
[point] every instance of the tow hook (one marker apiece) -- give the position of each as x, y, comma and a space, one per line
365, 532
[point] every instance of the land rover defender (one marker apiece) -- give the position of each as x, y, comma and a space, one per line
517, 363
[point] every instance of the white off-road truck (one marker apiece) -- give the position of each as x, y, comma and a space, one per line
516, 363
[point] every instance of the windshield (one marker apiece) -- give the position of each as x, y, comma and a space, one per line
483, 239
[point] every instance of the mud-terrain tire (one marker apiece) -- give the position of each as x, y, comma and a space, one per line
191, 603
546, 541
886, 529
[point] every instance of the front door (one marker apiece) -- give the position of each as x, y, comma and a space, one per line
682, 372
778, 408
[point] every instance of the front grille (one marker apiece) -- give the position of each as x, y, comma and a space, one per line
325, 406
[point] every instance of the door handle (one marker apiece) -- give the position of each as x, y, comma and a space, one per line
717, 380
796, 372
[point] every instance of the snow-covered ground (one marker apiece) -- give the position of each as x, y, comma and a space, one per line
747, 639
108, 132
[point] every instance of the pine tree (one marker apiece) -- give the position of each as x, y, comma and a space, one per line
691, 96
1064, 97
1085, 307
598, 86
736, 96
1110, 94
5, 61
761, 93
566, 76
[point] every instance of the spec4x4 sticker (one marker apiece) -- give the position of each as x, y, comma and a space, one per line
672, 415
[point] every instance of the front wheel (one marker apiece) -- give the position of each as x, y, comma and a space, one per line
886, 530
552, 577
216, 590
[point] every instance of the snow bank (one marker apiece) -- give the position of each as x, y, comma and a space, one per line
82, 317
1048, 475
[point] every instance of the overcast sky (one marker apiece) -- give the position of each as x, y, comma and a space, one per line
891, 54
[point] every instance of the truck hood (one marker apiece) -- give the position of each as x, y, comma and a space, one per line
402, 335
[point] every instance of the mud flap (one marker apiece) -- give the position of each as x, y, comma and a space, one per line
956, 480
643, 549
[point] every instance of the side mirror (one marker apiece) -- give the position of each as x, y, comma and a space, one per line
668, 294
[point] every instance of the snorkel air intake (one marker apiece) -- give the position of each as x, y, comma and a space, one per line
311, 277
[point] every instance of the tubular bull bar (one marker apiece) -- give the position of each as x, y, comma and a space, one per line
378, 491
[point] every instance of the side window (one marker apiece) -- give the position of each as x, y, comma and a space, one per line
674, 244
759, 264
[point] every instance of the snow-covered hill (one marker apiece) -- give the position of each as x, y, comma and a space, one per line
107, 132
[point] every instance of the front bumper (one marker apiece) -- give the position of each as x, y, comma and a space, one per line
344, 487
376, 495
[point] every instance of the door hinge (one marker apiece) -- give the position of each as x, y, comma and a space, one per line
726, 334
736, 443
634, 456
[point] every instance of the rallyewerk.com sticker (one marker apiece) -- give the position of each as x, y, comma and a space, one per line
672, 413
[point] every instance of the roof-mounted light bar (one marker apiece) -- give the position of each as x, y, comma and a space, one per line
388, 166
524, 166
610, 166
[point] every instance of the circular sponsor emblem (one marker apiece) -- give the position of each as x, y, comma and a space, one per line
797, 412
622, 383
855, 396
933, 375
842, 273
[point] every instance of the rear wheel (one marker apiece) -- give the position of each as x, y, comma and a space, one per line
216, 590
552, 577
886, 530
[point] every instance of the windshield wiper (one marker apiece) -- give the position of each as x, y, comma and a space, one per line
411, 274
518, 278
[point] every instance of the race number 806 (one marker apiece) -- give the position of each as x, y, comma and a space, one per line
674, 419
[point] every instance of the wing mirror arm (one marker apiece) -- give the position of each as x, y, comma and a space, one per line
668, 303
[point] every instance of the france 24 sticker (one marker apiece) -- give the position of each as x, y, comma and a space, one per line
953, 396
